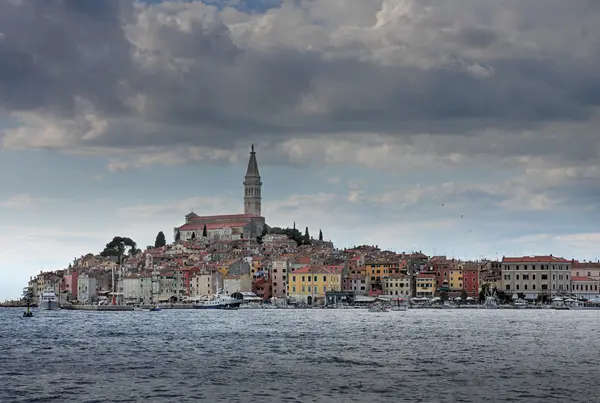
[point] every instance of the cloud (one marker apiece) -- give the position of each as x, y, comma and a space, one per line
19, 201
149, 78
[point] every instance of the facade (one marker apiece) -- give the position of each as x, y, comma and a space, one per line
396, 284
205, 284
585, 287
310, 284
535, 275
425, 285
232, 226
585, 269
237, 283
132, 290
471, 280
278, 274
87, 287
376, 270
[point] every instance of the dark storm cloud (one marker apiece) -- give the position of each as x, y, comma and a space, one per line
54, 50
200, 87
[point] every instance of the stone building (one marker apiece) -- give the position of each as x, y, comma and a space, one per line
231, 227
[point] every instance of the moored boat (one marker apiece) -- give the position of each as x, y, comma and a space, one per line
221, 301
48, 300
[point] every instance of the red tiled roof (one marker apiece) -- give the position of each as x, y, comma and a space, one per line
575, 278
585, 265
223, 216
190, 227
534, 259
426, 275
317, 270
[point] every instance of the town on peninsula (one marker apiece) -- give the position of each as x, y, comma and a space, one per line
240, 254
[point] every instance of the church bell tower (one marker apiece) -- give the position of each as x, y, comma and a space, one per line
252, 186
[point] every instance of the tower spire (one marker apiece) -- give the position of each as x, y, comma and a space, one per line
252, 186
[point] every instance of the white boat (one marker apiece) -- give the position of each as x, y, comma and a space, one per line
221, 301
490, 302
48, 300
520, 304
559, 304
377, 308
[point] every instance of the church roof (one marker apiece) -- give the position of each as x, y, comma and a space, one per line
252, 164
190, 227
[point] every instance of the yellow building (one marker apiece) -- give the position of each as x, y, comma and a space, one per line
456, 278
310, 283
426, 285
396, 284
376, 270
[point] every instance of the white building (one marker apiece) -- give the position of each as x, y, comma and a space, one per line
86, 289
535, 275
240, 283
585, 287
205, 284
132, 290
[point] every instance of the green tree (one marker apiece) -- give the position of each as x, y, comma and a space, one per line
204, 231
119, 247
306, 239
463, 295
193, 235
177, 236
160, 240
265, 231
320, 235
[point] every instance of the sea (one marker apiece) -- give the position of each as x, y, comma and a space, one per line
296, 355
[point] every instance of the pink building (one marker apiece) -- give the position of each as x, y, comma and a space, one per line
69, 284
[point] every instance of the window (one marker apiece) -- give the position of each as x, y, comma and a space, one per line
316, 278
294, 289
324, 289
544, 286
324, 278
303, 288
303, 279
525, 276
507, 287
517, 276
544, 277
308, 288
293, 278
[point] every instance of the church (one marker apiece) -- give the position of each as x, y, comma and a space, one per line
231, 226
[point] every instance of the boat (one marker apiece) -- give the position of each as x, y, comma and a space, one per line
377, 308
221, 301
155, 308
400, 305
559, 304
520, 304
48, 300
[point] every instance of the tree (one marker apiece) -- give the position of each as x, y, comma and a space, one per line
444, 296
265, 231
119, 247
292, 233
160, 240
204, 232
320, 235
177, 236
306, 239
463, 295
193, 235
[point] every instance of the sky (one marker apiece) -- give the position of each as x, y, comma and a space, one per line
466, 128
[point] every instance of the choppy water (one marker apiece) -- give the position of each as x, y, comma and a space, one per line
301, 355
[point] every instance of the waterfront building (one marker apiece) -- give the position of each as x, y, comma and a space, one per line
425, 285
535, 275
233, 283
490, 273
230, 227
205, 283
87, 287
309, 284
471, 279
376, 270
278, 274
396, 284
585, 287
357, 283
585, 269
132, 290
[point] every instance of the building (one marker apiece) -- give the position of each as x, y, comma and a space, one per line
132, 290
278, 274
585, 269
535, 275
584, 287
471, 279
396, 284
205, 283
233, 283
376, 270
310, 284
87, 287
230, 227
425, 285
